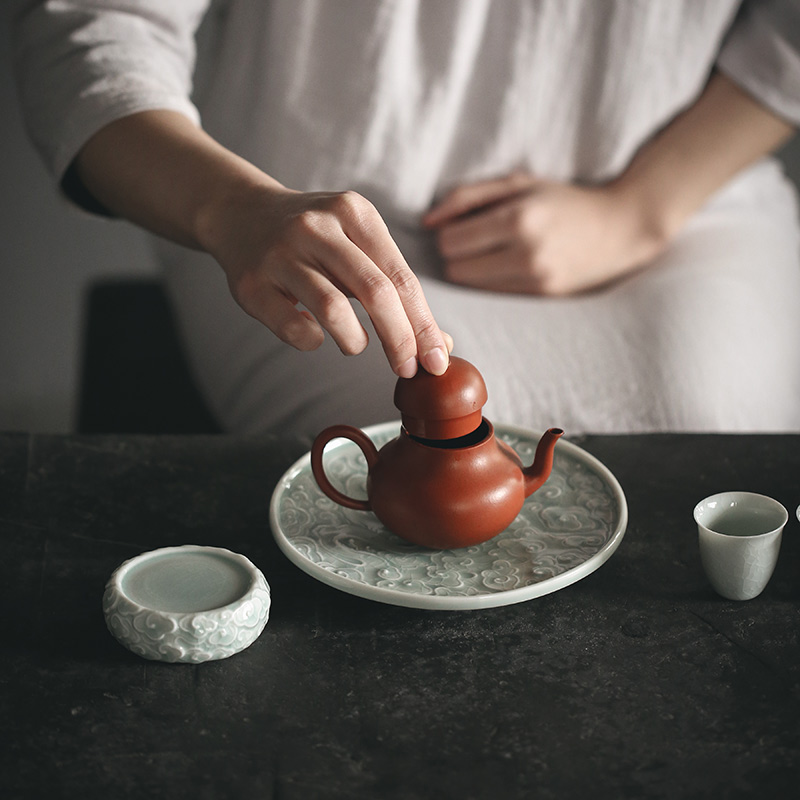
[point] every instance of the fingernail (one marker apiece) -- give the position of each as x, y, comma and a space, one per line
408, 369
436, 361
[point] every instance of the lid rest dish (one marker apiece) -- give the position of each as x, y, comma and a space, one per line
187, 604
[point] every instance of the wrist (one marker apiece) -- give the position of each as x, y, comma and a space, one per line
649, 220
224, 205
700, 150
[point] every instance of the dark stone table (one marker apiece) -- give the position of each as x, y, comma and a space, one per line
637, 681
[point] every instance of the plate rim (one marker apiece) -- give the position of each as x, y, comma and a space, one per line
453, 602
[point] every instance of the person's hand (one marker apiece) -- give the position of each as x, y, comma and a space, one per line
525, 235
292, 259
279, 249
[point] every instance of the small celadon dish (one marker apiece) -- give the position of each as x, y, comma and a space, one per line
187, 604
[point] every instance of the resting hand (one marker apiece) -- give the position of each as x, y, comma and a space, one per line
282, 249
522, 234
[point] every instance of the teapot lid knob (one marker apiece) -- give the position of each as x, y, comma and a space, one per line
442, 406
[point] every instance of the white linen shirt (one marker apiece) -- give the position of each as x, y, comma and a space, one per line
401, 100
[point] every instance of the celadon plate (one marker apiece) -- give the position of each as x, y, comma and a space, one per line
564, 532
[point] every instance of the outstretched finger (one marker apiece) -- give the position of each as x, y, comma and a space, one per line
392, 296
374, 289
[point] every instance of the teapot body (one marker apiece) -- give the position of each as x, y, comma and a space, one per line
442, 497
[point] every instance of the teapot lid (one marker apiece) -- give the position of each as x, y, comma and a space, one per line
442, 406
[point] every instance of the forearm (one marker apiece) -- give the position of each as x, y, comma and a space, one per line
159, 170
697, 153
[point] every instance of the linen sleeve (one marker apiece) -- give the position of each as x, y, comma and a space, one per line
81, 64
762, 54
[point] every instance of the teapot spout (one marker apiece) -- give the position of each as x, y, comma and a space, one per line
538, 472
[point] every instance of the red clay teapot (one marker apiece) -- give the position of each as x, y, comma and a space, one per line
446, 481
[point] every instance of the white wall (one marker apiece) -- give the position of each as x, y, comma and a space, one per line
48, 254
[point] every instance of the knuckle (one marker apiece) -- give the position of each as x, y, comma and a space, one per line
287, 330
375, 288
296, 331
352, 207
427, 329
246, 287
405, 282
404, 346
308, 223
332, 308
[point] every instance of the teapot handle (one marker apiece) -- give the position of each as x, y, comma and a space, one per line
367, 448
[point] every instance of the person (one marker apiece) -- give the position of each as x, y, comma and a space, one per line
579, 192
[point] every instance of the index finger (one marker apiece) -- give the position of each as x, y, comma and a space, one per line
401, 302
392, 295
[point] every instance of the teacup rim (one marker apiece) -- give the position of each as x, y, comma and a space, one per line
776, 504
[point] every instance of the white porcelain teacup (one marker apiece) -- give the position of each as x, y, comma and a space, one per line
740, 537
